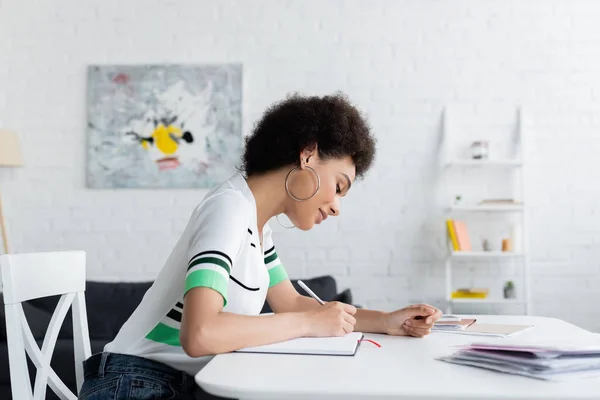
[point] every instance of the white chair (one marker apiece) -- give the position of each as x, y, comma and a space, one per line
31, 276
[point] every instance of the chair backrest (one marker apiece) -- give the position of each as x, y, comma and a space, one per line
31, 276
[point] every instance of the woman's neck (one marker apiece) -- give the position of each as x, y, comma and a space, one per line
269, 193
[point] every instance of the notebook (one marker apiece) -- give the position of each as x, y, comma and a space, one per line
334, 346
460, 325
494, 330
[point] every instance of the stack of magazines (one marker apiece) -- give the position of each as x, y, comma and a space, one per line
547, 362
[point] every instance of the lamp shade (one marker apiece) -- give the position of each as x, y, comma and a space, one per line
10, 151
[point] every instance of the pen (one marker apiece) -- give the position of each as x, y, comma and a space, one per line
422, 317
310, 292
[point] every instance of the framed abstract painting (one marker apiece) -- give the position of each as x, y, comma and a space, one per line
163, 126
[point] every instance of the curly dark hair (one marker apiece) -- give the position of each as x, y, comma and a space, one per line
299, 122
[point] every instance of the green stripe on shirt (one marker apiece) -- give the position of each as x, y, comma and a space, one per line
277, 275
207, 278
164, 334
270, 258
211, 260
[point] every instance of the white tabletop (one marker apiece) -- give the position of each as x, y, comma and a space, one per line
403, 368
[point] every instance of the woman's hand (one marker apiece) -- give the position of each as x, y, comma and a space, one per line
331, 319
416, 320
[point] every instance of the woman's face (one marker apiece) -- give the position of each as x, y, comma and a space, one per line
336, 176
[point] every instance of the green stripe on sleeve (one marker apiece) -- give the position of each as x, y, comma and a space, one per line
207, 278
164, 334
277, 275
270, 258
211, 260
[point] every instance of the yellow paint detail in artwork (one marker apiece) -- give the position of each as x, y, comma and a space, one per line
163, 140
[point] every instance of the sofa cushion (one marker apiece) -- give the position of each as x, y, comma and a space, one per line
37, 319
108, 304
344, 297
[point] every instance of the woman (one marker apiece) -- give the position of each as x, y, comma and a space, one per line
302, 158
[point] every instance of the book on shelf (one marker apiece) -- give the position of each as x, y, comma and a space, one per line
470, 293
452, 235
458, 235
499, 202
462, 235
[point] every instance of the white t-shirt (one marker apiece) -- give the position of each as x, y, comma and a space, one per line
219, 249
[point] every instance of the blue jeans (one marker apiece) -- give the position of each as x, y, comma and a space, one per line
124, 377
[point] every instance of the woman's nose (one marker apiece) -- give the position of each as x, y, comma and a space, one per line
334, 209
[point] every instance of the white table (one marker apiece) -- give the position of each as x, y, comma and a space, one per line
403, 368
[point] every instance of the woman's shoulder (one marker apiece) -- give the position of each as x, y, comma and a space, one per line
225, 198
223, 216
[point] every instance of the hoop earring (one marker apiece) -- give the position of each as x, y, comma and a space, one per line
286, 227
287, 189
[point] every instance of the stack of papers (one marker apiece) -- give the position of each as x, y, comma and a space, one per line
547, 362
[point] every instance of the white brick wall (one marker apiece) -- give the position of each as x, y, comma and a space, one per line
400, 61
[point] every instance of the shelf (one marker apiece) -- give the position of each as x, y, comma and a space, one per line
486, 254
487, 301
484, 163
461, 168
490, 207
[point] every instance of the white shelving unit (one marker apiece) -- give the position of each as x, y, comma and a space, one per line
520, 209
486, 254
485, 163
489, 208
487, 301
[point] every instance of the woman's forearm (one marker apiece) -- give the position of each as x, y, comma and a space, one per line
305, 303
371, 321
227, 332
366, 320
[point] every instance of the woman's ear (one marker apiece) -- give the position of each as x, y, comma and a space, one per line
307, 155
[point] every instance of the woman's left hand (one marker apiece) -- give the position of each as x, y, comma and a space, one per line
403, 323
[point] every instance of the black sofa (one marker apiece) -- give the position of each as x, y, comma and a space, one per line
108, 307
